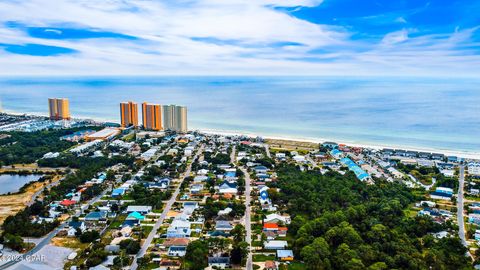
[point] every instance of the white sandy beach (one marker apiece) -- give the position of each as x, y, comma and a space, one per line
466, 155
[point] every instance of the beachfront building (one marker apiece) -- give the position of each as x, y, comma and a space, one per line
175, 118
152, 116
181, 118
129, 114
59, 108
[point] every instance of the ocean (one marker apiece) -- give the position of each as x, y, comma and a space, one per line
432, 113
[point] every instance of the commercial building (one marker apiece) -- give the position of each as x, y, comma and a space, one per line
129, 114
152, 116
104, 134
175, 118
59, 108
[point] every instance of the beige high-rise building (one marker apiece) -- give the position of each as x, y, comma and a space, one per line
59, 108
152, 116
168, 117
129, 114
181, 118
175, 118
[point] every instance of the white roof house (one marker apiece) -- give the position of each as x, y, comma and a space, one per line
149, 154
275, 218
142, 209
276, 244
225, 211
299, 158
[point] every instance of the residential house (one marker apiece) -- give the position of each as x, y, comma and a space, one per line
179, 229
177, 251
100, 216
142, 209
260, 169
196, 188
135, 216
270, 265
182, 242
227, 187
200, 178
219, 262
285, 255
118, 192
74, 226
275, 244
276, 218
225, 211
223, 225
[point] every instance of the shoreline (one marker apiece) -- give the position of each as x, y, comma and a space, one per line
467, 155
447, 152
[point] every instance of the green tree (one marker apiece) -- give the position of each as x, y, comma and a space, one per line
238, 233
89, 236
197, 255
14, 242
239, 253
316, 254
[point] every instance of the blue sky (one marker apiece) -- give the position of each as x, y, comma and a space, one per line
237, 37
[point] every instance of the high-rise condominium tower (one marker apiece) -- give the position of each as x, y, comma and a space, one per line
168, 117
175, 118
152, 116
59, 108
129, 114
181, 118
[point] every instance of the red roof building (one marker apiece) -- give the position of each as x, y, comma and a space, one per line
67, 202
270, 227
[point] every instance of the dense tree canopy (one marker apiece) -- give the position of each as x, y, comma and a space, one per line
26, 147
340, 222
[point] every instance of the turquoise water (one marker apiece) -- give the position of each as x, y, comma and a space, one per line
13, 182
412, 112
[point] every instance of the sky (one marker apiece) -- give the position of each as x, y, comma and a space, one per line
435, 38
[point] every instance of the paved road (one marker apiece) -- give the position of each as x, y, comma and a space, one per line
310, 159
248, 227
46, 239
460, 220
232, 154
38, 193
426, 187
162, 217
267, 151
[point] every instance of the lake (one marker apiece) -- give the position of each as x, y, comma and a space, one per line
13, 182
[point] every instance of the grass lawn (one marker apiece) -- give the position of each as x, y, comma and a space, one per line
147, 230
472, 198
257, 243
263, 257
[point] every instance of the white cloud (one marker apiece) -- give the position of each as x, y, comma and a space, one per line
166, 29
395, 37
